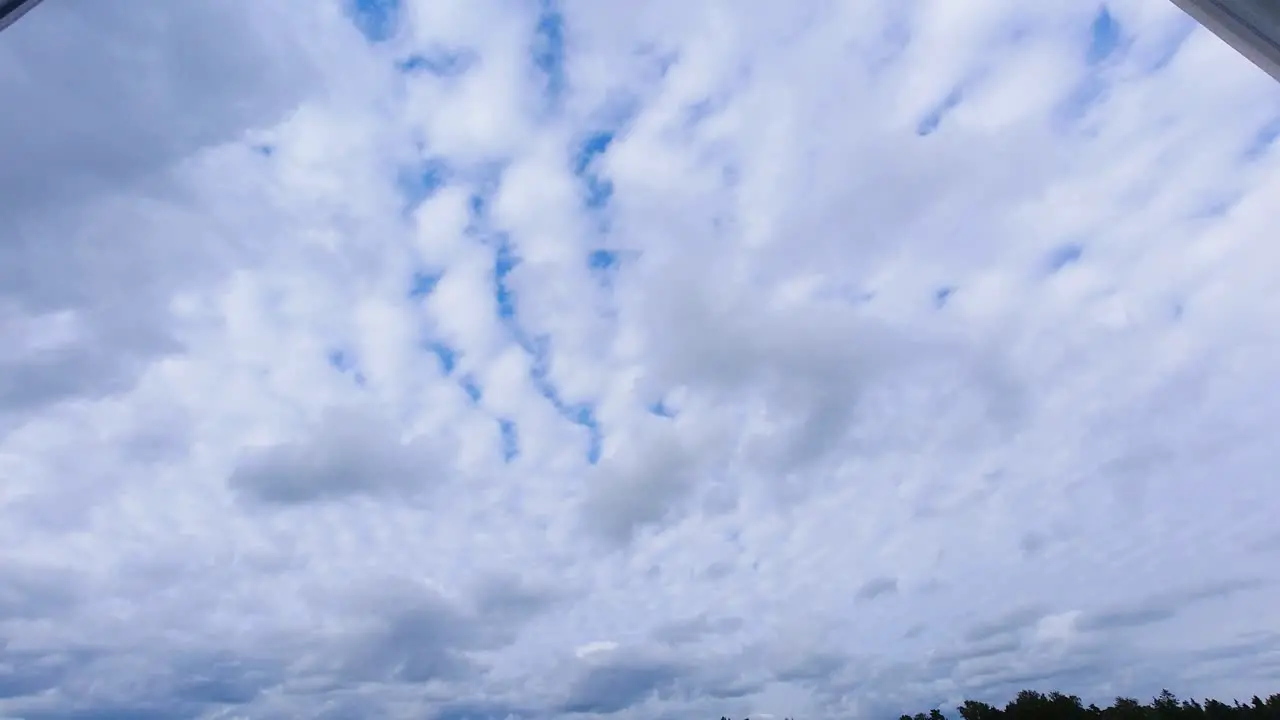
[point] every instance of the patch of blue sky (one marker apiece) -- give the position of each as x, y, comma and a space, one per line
549, 49
417, 184
661, 409
1064, 255
585, 416
603, 265
346, 364
423, 284
504, 261
377, 20
933, 119
592, 147
1106, 40
1106, 36
438, 61
342, 362
597, 189
486, 181
471, 388
447, 356
602, 260
510, 440
582, 414
477, 212
264, 149
942, 295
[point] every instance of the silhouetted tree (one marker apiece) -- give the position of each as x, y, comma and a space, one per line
1032, 705
974, 710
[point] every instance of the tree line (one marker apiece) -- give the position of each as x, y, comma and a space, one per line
1031, 705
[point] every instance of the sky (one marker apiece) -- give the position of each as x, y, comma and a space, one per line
493, 359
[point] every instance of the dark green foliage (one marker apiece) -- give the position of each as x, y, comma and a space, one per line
1030, 705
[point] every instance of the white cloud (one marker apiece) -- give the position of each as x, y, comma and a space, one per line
595, 648
829, 359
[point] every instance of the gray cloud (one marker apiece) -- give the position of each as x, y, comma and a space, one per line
414, 645
392, 633
1162, 607
505, 599
224, 679
31, 672
30, 591
107, 712
609, 688
129, 116
878, 587
114, 94
691, 630
1014, 621
638, 490
415, 635
1033, 543
350, 454
1252, 654
184, 684
717, 570
1127, 618
480, 711
818, 667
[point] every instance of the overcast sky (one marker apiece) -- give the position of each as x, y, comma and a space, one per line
643, 359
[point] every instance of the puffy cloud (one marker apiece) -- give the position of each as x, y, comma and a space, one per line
348, 455
487, 359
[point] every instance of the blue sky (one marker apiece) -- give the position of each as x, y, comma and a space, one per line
486, 359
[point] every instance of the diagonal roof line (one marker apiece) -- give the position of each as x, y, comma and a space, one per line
11, 10
1250, 27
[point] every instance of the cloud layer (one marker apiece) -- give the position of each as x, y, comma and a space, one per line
386, 358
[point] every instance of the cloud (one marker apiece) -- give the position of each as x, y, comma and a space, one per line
640, 486
34, 591
413, 639
1012, 622
475, 359
156, 114
695, 628
595, 648
93, 193
877, 587
1165, 606
607, 689
349, 454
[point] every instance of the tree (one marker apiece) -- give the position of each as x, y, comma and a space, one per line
1032, 705
974, 710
